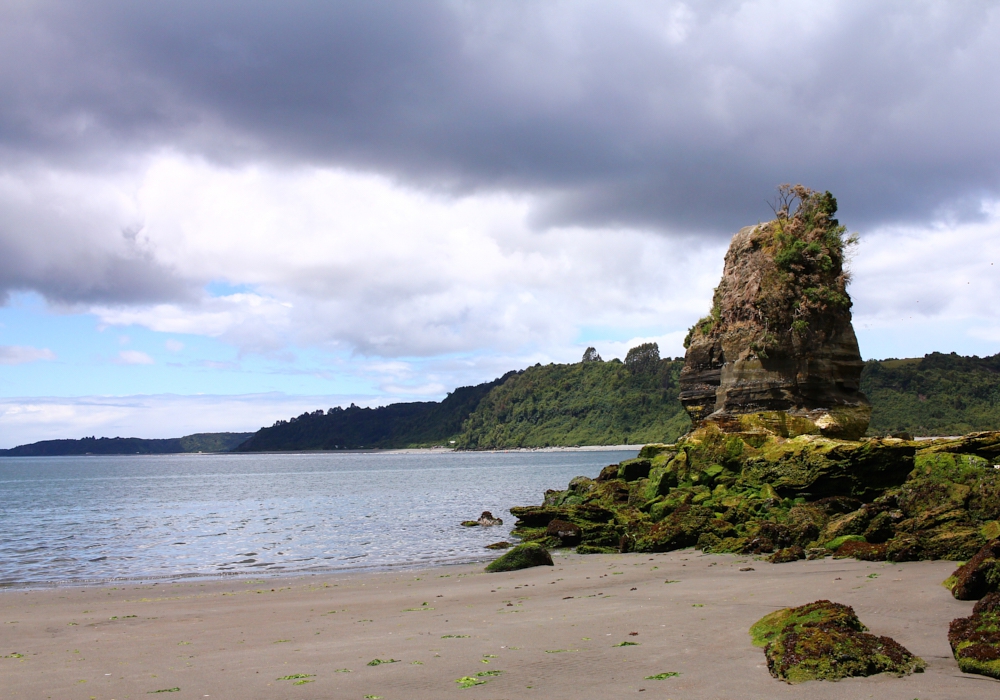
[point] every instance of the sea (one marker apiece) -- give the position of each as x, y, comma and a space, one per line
148, 518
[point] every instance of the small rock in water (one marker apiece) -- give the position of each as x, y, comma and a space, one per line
487, 519
503, 544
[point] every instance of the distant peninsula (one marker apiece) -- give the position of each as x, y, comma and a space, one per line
199, 442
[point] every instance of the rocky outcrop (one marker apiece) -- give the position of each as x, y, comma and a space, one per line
874, 499
778, 352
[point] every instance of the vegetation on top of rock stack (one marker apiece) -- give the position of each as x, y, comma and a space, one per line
587, 403
826, 641
877, 499
797, 288
938, 394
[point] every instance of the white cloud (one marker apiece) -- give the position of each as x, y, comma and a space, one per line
356, 263
22, 354
944, 270
134, 357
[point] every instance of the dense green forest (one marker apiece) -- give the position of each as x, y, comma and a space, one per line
934, 395
199, 442
396, 425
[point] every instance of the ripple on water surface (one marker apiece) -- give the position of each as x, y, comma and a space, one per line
78, 519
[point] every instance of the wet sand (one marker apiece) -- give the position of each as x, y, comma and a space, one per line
549, 632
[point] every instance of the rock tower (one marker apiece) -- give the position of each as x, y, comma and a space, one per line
777, 353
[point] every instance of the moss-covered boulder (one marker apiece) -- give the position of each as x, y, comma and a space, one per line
978, 576
523, 556
975, 640
826, 641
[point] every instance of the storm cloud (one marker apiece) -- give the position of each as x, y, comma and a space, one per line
416, 178
663, 115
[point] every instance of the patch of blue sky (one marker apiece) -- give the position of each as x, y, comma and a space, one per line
616, 334
93, 359
221, 288
916, 337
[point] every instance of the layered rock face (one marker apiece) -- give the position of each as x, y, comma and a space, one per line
778, 352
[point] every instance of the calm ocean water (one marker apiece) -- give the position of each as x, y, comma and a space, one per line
93, 519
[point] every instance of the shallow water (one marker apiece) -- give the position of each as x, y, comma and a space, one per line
162, 517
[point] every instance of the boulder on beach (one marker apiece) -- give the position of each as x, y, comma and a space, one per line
826, 641
975, 640
978, 576
523, 556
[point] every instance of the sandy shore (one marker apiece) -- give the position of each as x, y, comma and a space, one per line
550, 632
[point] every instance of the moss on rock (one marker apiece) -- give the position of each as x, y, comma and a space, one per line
523, 556
978, 576
826, 641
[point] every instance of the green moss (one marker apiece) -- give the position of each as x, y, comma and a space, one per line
835, 544
522, 556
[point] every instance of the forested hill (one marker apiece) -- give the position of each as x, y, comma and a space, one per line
588, 403
396, 425
935, 395
199, 442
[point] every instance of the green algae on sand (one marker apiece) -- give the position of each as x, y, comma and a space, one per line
826, 641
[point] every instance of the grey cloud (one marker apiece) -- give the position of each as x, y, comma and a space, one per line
647, 114
55, 242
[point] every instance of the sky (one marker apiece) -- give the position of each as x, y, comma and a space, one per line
217, 214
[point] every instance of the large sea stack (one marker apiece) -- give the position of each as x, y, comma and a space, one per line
777, 353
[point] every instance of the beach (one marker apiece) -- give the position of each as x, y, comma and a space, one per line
545, 632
